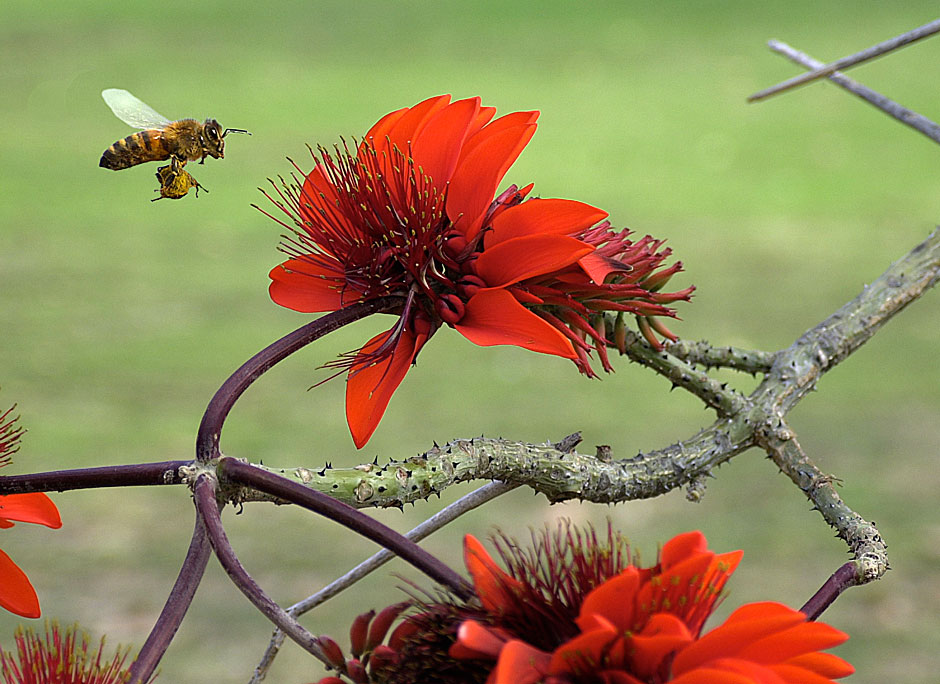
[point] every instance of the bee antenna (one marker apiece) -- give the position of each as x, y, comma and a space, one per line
234, 130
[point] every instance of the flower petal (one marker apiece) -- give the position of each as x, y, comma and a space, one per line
479, 173
744, 626
436, 149
614, 600
369, 388
662, 635
682, 546
303, 286
525, 257
543, 217
16, 593
476, 641
494, 317
803, 638
494, 587
520, 663
409, 125
32, 508
825, 664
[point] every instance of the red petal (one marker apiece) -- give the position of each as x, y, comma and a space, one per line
16, 593
370, 388
302, 286
32, 508
584, 650
681, 547
797, 675
407, 128
476, 641
543, 217
381, 127
479, 173
501, 124
520, 663
730, 671
662, 635
791, 643
744, 626
436, 150
525, 257
614, 600
825, 664
495, 317
494, 587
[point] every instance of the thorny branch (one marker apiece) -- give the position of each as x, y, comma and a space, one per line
757, 419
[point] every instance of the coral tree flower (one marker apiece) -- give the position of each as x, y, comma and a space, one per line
62, 657
642, 626
576, 609
16, 592
410, 213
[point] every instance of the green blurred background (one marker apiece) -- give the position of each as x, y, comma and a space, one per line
121, 317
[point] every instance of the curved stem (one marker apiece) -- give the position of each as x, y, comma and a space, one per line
344, 514
162, 473
178, 602
208, 510
841, 579
210, 429
466, 503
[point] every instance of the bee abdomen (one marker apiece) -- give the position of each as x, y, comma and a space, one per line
136, 148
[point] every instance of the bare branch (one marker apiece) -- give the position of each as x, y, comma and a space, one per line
906, 116
448, 514
824, 70
178, 602
204, 490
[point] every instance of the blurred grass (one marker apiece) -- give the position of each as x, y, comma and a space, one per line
121, 316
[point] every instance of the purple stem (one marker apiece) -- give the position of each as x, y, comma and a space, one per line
841, 579
162, 473
210, 429
344, 514
181, 596
208, 510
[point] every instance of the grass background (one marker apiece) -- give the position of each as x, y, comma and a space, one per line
120, 317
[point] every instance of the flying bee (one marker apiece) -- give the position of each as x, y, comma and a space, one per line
186, 139
175, 181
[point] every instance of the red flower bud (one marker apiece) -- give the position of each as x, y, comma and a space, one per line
450, 308
358, 632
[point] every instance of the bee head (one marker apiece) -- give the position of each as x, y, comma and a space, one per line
213, 141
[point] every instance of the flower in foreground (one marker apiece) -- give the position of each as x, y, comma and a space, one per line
572, 610
62, 657
16, 592
411, 212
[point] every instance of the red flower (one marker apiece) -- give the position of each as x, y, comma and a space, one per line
411, 213
61, 658
16, 593
642, 627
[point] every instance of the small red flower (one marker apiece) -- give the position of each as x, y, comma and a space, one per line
61, 658
16, 592
410, 213
642, 626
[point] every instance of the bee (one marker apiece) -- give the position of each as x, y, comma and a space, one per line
160, 139
175, 181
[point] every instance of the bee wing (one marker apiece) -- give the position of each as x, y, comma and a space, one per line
132, 111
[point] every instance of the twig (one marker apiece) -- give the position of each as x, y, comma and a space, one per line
703, 354
841, 579
906, 116
162, 473
824, 70
448, 514
207, 508
181, 596
210, 428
